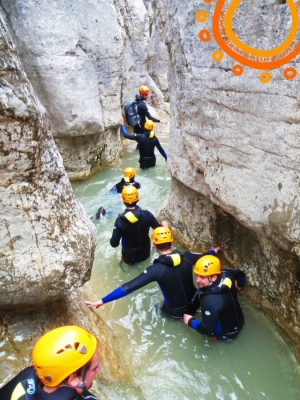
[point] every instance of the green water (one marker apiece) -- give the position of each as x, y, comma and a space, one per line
168, 359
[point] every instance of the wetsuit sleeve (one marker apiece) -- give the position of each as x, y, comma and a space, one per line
236, 275
117, 233
115, 295
143, 110
160, 149
128, 135
210, 306
7, 390
194, 257
149, 275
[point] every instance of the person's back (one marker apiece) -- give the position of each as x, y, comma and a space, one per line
132, 226
147, 142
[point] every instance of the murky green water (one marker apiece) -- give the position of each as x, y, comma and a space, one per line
168, 359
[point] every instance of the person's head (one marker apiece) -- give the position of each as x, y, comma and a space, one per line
130, 196
129, 173
149, 125
162, 238
66, 356
207, 270
144, 91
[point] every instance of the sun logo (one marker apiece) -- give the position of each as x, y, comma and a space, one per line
242, 53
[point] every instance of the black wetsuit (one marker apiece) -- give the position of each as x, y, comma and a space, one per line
174, 275
222, 316
147, 142
143, 113
124, 182
31, 388
133, 227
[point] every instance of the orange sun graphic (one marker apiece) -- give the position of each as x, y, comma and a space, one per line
244, 54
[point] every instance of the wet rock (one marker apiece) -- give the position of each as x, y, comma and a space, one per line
47, 241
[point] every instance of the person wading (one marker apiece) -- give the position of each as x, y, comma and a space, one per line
143, 110
147, 142
222, 316
128, 180
132, 226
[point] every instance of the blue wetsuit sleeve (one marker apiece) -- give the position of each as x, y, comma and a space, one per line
128, 135
115, 295
193, 323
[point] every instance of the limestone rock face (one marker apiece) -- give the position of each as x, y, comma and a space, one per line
47, 241
235, 152
83, 60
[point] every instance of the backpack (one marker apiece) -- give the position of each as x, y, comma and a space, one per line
131, 112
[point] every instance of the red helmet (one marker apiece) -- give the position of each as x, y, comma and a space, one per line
144, 90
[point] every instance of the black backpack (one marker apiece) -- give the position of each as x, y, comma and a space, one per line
131, 112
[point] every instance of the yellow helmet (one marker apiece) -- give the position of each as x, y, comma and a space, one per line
62, 351
149, 125
161, 235
130, 194
144, 90
129, 172
207, 265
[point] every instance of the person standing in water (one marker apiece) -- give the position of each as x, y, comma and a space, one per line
65, 363
128, 180
132, 226
143, 110
172, 270
147, 142
222, 316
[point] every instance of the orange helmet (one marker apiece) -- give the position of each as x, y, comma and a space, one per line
161, 235
207, 265
130, 194
62, 351
129, 172
149, 125
144, 90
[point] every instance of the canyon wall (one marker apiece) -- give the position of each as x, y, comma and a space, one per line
234, 159
47, 241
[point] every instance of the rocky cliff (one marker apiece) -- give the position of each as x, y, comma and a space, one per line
235, 144
47, 241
